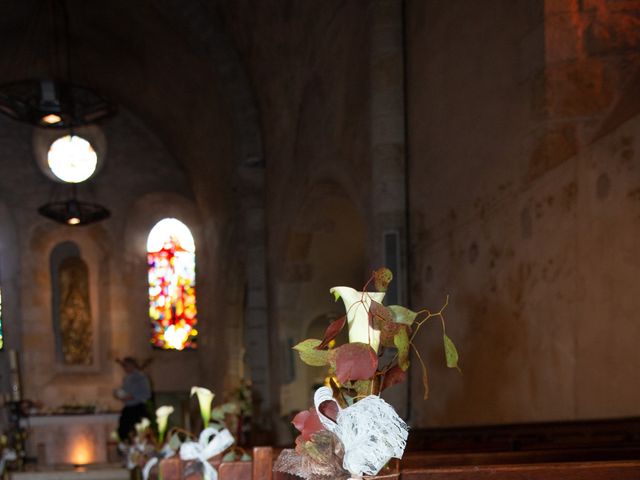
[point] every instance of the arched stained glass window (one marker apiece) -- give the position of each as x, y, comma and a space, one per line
171, 256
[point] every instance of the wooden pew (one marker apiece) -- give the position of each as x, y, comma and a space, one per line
259, 468
413, 467
564, 435
609, 470
554, 455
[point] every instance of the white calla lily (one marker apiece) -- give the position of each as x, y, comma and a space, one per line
162, 418
210, 443
357, 305
205, 397
142, 426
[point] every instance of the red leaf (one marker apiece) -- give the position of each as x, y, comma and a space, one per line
355, 361
394, 375
332, 332
307, 422
380, 312
300, 418
329, 409
382, 319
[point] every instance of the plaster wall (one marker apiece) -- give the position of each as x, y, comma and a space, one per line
519, 213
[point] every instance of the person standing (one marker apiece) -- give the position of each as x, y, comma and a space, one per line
134, 393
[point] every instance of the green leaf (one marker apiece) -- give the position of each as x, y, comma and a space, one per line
401, 341
174, 442
362, 387
450, 352
220, 412
309, 354
402, 315
229, 457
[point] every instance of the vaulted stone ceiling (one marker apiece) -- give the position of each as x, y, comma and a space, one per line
160, 60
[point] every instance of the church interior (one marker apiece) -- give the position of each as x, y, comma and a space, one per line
485, 152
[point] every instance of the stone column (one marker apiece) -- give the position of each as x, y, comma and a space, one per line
206, 30
259, 332
388, 176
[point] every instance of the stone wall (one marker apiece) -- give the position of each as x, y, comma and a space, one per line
522, 193
522, 188
138, 193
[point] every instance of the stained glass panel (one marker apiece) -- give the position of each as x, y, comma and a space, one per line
172, 286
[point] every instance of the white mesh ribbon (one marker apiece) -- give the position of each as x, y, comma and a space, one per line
370, 430
204, 449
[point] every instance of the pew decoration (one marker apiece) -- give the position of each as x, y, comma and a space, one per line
7, 454
351, 432
199, 454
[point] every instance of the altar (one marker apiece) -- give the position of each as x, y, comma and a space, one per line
70, 439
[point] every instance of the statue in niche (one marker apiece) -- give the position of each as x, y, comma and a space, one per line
75, 313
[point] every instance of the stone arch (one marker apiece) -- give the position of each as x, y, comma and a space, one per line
38, 346
204, 29
324, 247
170, 370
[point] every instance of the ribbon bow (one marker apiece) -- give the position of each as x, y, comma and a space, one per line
166, 452
370, 430
134, 451
7, 455
207, 447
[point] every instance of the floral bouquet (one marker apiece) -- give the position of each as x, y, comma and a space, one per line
148, 449
7, 454
351, 432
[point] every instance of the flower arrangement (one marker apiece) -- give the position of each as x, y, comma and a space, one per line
351, 432
148, 448
7, 454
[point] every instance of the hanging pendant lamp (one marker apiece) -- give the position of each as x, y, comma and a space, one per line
53, 101
74, 212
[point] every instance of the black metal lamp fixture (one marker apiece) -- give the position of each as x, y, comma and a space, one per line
51, 103
47, 97
74, 212
54, 102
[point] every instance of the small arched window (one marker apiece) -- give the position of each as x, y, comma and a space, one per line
171, 256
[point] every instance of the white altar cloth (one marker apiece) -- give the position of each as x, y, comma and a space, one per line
69, 439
